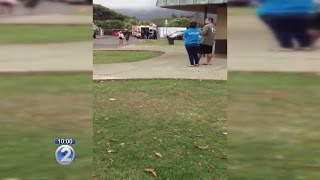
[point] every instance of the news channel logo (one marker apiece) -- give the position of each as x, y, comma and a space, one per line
65, 155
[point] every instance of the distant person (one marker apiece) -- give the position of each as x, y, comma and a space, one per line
192, 38
126, 34
207, 40
121, 37
142, 34
314, 30
147, 34
288, 20
8, 6
155, 35
31, 5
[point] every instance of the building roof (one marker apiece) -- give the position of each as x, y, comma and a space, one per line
193, 5
166, 3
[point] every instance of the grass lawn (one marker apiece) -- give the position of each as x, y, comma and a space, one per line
159, 42
241, 11
107, 57
274, 126
182, 120
14, 34
34, 111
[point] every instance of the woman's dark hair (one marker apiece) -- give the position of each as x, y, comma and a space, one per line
193, 24
210, 19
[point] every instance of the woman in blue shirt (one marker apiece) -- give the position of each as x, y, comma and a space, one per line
288, 20
192, 39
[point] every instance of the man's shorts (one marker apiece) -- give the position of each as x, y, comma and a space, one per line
315, 22
205, 49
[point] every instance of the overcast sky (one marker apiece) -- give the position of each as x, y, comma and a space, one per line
120, 4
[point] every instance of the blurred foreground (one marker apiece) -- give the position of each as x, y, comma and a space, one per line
45, 74
272, 115
35, 109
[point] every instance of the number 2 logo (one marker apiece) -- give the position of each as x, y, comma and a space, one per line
65, 154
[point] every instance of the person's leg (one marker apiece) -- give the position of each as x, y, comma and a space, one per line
280, 29
209, 57
199, 57
209, 54
189, 50
298, 24
200, 52
195, 55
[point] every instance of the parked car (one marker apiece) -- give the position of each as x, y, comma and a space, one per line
178, 35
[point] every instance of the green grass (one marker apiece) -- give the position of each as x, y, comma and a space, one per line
107, 57
36, 109
274, 125
171, 117
14, 34
159, 42
241, 11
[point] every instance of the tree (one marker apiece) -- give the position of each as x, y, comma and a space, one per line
103, 13
110, 24
145, 22
179, 22
159, 21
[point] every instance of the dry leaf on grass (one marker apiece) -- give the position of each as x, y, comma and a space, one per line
224, 157
111, 151
151, 171
112, 99
203, 147
225, 133
278, 157
158, 155
106, 118
111, 160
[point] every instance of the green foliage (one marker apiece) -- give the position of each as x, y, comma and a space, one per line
108, 19
159, 21
103, 13
172, 22
179, 22
110, 24
133, 21
145, 23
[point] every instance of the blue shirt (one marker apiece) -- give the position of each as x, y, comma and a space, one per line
278, 7
192, 36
